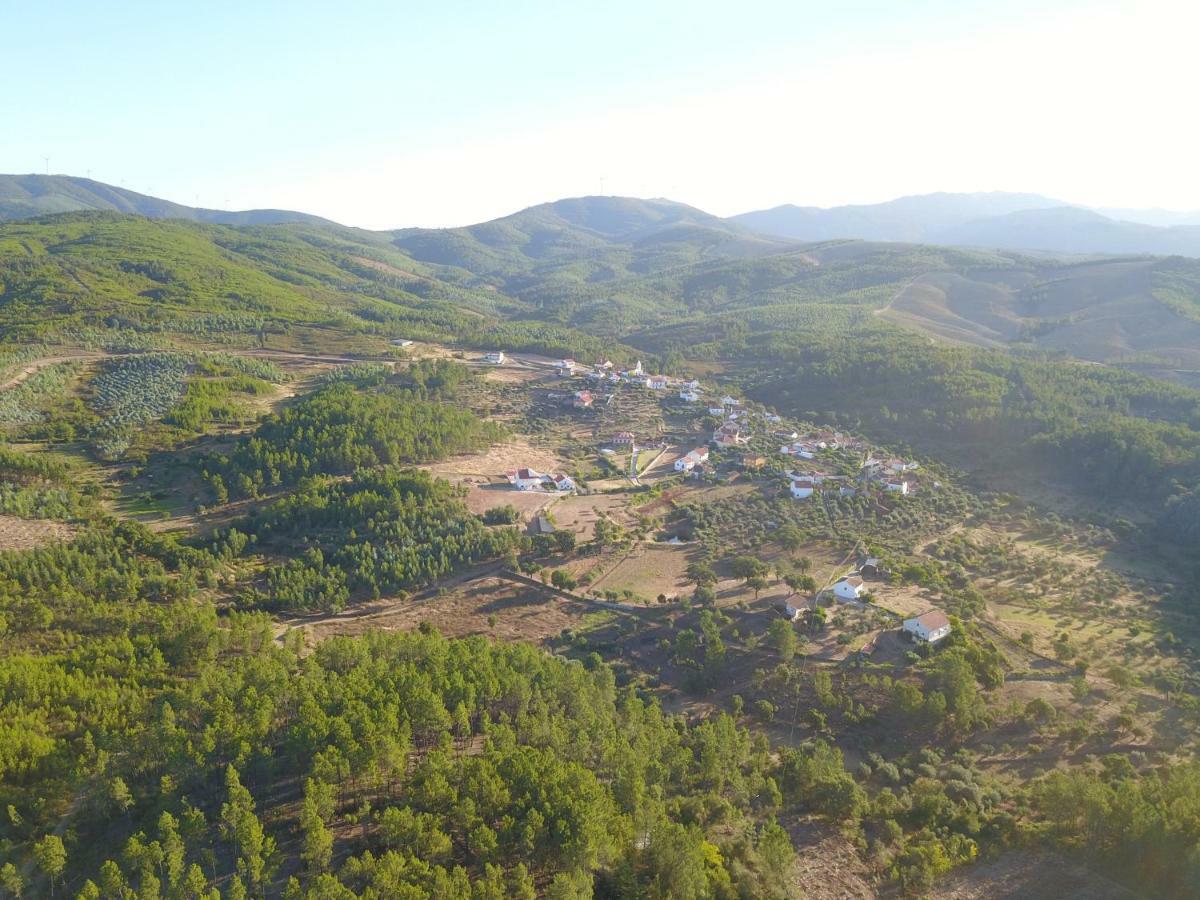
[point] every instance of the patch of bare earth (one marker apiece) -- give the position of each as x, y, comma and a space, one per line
489, 606
827, 866
25, 534
483, 475
579, 512
1030, 875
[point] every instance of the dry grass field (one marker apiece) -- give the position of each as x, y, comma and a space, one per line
520, 614
25, 534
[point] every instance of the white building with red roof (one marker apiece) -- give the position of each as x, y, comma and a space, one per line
929, 627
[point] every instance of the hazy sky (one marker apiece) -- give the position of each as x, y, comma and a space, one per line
384, 114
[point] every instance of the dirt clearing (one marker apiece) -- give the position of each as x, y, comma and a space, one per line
520, 614
1028, 875
25, 534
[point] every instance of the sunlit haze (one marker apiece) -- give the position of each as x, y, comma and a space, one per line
381, 116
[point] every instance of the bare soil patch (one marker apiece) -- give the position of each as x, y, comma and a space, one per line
827, 866
521, 614
579, 512
651, 569
1029, 875
483, 474
25, 534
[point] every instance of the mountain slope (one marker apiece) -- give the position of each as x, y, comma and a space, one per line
905, 219
104, 270
26, 196
585, 239
1068, 229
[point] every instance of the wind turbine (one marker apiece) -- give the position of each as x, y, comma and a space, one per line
47, 159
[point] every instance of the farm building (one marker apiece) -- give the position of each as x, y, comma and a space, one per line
582, 400
851, 587
872, 567
525, 479
794, 606
562, 482
401, 342
929, 627
495, 357
803, 488
691, 459
729, 435
541, 525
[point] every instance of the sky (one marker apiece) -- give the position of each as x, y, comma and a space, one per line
390, 114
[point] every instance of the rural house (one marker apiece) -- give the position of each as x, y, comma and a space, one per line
803, 488
525, 479
851, 587
929, 627
692, 459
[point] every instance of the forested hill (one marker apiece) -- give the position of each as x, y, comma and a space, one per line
26, 196
130, 281
585, 239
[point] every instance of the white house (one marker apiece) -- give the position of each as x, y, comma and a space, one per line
729, 401
692, 459
793, 606
657, 382
495, 357
850, 588
716, 410
689, 396
803, 488
896, 486
623, 438
729, 435
525, 479
562, 482
928, 628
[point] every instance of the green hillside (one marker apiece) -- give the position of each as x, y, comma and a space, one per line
84, 271
27, 196
584, 240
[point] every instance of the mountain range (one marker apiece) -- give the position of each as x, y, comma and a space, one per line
27, 196
1000, 220
657, 275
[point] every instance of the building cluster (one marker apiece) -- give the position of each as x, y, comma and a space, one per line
526, 479
809, 445
891, 475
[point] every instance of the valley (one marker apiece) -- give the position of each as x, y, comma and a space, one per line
367, 534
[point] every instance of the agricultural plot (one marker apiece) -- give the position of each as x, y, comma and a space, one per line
649, 571
132, 392
28, 402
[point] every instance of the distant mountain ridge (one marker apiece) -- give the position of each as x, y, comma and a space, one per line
28, 196
908, 219
1006, 221
586, 240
